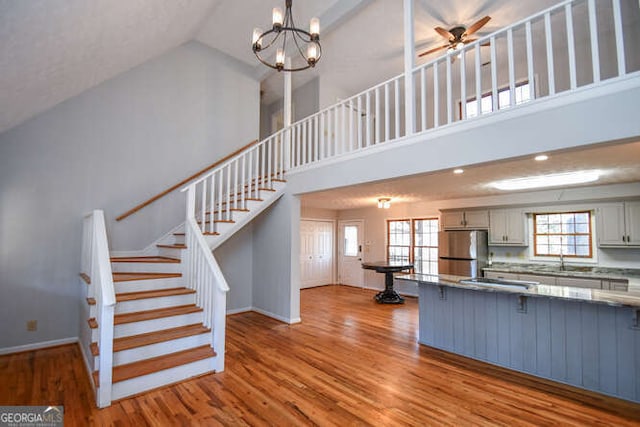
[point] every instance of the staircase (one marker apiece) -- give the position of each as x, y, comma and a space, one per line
158, 317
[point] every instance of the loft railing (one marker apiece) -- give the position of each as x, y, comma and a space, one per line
487, 73
96, 265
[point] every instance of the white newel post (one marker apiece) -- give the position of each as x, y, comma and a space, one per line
409, 65
287, 116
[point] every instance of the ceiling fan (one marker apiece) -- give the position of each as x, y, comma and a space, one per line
457, 36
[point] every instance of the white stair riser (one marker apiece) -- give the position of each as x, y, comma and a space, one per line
148, 285
136, 328
158, 379
171, 253
95, 334
146, 267
160, 349
178, 240
153, 303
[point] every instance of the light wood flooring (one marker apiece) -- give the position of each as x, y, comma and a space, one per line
350, 362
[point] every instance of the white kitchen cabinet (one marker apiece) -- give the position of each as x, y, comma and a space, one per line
619, 224
476, 219
500, 275
507, 227
579, 282
539, 278
616, 285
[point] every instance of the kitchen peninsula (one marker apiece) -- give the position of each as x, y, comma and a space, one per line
588, 338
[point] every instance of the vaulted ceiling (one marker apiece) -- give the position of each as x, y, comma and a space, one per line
51, 51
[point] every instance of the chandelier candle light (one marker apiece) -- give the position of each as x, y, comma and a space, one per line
306, 51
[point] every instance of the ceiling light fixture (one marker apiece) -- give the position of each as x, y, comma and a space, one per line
458, 171
553, 180
384, 203
305, 49
541, 158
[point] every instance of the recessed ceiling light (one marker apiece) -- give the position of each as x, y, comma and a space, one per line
458, 171
541, 158
554, 180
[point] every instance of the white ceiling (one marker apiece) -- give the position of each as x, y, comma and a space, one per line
618, 162
51, 50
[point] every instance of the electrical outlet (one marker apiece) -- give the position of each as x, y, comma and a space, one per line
32, 325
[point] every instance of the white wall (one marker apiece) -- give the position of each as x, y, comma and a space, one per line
110, 148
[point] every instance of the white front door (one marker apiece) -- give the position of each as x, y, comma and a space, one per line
316, 253
350, 252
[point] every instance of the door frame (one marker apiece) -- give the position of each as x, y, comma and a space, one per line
340, 250
334, 251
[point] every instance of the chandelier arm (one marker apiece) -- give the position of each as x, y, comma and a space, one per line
295, 40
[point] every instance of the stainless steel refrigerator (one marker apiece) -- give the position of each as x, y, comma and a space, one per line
462, 252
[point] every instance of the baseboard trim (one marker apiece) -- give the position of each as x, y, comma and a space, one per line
239, 310
37, 345
275, 316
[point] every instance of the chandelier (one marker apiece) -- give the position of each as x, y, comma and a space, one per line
306, 50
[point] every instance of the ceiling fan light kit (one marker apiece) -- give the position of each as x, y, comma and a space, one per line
306, 52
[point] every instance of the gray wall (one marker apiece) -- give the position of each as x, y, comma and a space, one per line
276, 260
305, 100
110, 148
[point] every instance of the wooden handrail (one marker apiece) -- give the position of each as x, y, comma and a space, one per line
183, 182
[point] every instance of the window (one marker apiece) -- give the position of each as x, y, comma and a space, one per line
414, 241
566, 233
399, 240
522, 94
351, 240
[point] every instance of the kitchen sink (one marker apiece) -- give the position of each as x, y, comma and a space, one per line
577, 268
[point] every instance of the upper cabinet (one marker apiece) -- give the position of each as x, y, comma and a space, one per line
473, 219
508, 227
619, 224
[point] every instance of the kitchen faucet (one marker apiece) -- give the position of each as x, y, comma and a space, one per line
561, 262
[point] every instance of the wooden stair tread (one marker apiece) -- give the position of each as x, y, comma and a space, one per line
91, 301
130, 296
267, 189
208, 233
86, 278
179, 234
93, 323
225, 221
156, 364
95, 351
159, 313
174, 246
128, 277
133, 341
149, 259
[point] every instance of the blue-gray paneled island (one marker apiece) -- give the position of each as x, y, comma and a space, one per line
583, 337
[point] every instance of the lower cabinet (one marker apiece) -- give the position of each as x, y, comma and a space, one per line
575, 282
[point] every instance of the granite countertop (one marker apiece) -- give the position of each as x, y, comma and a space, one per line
569, 271
597, 296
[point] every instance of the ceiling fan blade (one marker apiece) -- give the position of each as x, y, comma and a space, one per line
476, 26
433, 50
470, 40
444, 33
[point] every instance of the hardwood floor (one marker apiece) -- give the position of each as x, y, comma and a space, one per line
350, 362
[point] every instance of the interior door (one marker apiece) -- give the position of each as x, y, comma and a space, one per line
316, 253
350, 239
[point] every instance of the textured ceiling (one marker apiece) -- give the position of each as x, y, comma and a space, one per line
53, 50
619, 164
